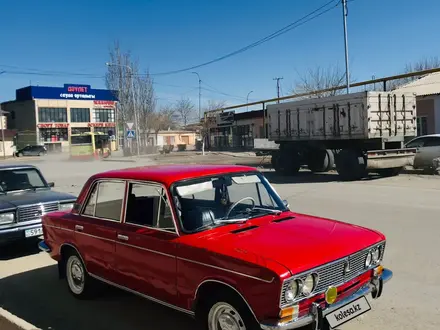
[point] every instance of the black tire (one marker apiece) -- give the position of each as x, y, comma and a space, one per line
321, 160
288, 162
388, 172
235, 310
351, 165
84, 288
19, 154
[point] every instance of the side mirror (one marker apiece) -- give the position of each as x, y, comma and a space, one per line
286, 203
51, 184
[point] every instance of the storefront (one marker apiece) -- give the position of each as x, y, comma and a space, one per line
55, 113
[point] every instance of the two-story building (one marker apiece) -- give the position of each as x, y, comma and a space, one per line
49, 115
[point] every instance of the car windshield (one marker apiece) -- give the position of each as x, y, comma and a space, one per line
21, 179
214, 201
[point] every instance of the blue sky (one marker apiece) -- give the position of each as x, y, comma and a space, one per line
164, 35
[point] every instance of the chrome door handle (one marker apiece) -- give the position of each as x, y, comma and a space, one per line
123, 237
79, 228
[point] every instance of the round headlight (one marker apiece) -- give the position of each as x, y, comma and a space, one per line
376, 255
368, 260
309, 284
292, 291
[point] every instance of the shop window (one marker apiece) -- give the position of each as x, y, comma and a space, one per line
53, 134
103, 115
80, 130
104, 130
52, 115
79, 115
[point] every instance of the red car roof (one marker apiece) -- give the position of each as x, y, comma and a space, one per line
168, 174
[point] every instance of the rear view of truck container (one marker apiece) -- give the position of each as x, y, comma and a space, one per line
359, 133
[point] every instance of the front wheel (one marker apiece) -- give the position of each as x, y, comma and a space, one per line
228, 312
80, 284
19, 154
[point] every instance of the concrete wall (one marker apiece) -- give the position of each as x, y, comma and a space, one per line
437, 113
21, 115
425, 108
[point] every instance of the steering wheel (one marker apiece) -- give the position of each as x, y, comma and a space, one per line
238, 202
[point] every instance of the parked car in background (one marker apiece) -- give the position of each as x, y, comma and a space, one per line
216, 242
428, 148
35, 150
25, 196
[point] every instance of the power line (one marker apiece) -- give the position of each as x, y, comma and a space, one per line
303, 20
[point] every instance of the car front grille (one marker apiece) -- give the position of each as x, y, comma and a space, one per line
333, 274
34, 212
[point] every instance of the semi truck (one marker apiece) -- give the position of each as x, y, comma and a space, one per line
357, 133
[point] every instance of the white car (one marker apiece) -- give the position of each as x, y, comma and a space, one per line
428, 148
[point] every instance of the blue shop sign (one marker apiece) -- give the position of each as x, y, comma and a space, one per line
68, 92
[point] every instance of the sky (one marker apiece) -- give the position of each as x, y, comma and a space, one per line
165, 35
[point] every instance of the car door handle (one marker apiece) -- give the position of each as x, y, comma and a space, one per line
122, 237
79, 228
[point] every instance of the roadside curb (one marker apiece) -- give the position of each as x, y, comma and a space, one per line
120, 160
9, 321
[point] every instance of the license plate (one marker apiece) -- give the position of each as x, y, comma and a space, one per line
348, 312
33, 232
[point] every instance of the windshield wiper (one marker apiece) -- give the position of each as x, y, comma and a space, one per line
267, 210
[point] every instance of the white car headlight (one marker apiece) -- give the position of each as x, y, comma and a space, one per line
309, 284
7, 218
369, 259
66, 207
376, 255
292, 291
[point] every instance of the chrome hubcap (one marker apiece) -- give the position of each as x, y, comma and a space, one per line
75, 275
223, 316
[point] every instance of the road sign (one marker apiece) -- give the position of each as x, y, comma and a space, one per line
130, 125
131, 134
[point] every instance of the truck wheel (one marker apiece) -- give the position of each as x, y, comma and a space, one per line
321, 161
387, 172
287, 163
351, 165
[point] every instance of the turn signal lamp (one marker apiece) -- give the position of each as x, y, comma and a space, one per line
289, 313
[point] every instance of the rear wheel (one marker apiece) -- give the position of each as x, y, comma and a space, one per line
287, 162
351, 164
19, 154
321, 160
80, 284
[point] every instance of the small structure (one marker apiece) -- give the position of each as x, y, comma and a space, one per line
427, 89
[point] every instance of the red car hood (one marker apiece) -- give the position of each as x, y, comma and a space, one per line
299, 243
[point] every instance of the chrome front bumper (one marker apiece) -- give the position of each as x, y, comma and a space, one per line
317, 313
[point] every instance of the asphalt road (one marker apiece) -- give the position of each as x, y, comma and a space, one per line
405, 208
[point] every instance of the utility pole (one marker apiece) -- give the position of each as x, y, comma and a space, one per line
278, 86
200, 95
347, 69
247, 100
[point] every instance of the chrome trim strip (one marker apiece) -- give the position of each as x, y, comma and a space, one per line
310, 318
145, 249
97, 237
143, 295
227, 270
56, 227
230, 286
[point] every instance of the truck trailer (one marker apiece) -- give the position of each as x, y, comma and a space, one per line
359, 133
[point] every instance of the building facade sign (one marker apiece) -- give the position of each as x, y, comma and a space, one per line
53, 125
101, 124
104, 104
225, 118
68, 92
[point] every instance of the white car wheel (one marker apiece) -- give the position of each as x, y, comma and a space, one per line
75, 274
222, 316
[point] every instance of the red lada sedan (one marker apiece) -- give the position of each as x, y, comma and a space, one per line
217, 243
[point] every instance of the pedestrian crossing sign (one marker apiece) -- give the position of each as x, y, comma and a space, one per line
131, 134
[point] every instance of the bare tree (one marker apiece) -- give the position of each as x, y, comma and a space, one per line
421, 65
209, 120
184, 108
122, 74
320, 79
163, 119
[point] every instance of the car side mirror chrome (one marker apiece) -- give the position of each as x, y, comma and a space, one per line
286, 204
51, 184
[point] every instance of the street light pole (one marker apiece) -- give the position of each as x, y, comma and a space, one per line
247, 100
200, 95
136, 120
347, 69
